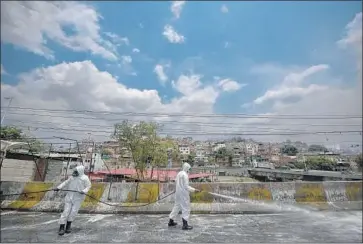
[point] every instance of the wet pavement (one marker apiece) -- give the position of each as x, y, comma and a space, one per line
327, 227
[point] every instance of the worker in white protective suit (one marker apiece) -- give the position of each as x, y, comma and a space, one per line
80, 184
182, 198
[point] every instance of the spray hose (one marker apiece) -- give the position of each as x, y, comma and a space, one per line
108, 204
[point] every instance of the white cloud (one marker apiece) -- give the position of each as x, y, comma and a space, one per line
126, 59
353, 39
224, 9
330, 101
159, 70
172, 35
229, 85
297, 78
3, 71
288, 92
81, 86
353, 33
135, 50
176, 8
227, 45
187, 84
31, 24
118, 40
291, 86
320, 97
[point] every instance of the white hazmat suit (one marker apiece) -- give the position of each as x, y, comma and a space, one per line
73, 200
182, 198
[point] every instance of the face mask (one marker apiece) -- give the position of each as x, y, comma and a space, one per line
75, 173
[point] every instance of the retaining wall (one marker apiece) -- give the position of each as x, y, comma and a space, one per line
229, 197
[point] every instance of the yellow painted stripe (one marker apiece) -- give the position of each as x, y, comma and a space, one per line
259, 193
146, 193
310, 192
30, 200
353, 191
96, 191
203, 196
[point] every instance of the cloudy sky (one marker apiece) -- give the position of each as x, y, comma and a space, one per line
300, 59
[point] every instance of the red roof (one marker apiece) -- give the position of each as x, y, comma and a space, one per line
96, 178
117, 172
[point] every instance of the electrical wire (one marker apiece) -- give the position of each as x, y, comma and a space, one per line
215, 125
284, 116
173, 122
40, 140
184, 132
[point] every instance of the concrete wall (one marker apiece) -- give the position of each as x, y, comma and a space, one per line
24, 169
232, 198
53, 171
17, 170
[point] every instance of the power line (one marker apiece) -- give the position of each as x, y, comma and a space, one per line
112, 127
209, 133
204, 124
275, 144
280, 116
213, 125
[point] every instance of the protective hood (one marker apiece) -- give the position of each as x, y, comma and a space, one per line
186, 167
80, 170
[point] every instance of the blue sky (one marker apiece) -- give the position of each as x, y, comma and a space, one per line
253, 44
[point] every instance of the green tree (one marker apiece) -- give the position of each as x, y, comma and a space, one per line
169, 144
320, 163
211, 160
289, 150
224, 154
315, 163
230, 160
191, 159
12, 133
35, 145
359, 161
145, 145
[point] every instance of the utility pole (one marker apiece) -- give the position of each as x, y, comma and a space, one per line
169, 152
10, 100
269, 154
304, 160
93, 157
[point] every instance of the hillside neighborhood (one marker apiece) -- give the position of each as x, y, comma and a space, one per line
113, 159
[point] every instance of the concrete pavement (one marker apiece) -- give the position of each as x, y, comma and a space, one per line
343, 227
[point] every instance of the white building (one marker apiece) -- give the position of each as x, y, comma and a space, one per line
238, 163
251, 148
184, 149
97, 163
219, 146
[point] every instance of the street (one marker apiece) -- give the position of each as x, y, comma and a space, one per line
343, 227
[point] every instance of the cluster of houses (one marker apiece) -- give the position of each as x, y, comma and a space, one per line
110, 161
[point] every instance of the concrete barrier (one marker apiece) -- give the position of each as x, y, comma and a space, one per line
227, 197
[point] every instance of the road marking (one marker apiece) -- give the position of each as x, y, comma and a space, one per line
96, 218
29, 226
